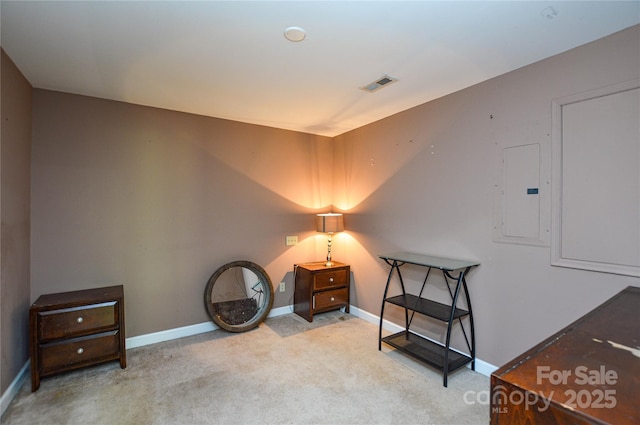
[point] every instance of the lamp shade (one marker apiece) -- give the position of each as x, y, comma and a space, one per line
329, 223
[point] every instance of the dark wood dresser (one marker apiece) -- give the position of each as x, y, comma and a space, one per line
587, 373
75, 329
319, 288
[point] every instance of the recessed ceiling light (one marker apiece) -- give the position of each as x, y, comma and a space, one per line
295, 34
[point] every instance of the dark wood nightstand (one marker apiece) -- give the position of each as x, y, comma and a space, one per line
319, 288
75, 329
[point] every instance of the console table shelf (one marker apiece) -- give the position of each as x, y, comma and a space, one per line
427, 307
426, 350
436, 354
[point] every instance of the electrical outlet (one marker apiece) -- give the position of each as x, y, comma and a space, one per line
291, 240
281, 286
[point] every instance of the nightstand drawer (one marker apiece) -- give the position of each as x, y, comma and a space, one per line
76, 321
331, 279
59, 356
330, 299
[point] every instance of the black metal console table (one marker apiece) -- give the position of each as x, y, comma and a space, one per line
436, 354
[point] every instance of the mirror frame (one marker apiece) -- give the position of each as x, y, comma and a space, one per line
263, 310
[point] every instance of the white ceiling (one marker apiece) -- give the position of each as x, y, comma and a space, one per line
230, 59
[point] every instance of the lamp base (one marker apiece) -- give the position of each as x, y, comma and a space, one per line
329, 263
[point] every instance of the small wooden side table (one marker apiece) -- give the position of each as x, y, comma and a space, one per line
319, 288
76, 329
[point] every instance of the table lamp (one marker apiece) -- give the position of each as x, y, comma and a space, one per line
329, 223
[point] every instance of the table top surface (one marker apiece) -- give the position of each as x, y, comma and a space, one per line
80, 297
595, 355
321, 265
442, 263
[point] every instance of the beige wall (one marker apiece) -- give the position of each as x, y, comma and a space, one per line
15, 181
157, 200
425, 180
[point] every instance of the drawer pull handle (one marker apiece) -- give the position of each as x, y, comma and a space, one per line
80, 350
330, 279
80, 319
333, 299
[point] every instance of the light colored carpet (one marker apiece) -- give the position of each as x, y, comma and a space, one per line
287, 371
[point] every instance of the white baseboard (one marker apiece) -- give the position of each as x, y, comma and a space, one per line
280, 311
14, 387
169, 334
485, 368
482, 367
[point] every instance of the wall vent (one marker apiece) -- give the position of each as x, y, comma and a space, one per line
379, 83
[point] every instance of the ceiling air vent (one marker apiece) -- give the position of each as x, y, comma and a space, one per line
379, 83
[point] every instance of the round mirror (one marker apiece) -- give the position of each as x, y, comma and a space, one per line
239, 296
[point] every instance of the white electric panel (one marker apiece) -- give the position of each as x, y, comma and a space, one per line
521, 185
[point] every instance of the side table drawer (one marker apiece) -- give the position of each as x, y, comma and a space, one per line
330, 299
330, 279
69, 322
59, 356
